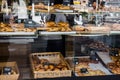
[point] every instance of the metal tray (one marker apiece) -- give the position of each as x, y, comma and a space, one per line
93, 66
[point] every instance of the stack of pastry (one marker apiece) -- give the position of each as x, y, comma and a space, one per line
101, 29
42, 8
20, 28
62, 7
46, 65
114, 54
115, 27
15, 28
83, 63
114, 66
79, 28
60, 26
98, 45
57, 6
5, 28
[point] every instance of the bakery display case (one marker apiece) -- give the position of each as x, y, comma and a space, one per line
62, 40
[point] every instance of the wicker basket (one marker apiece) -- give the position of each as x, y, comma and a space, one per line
54, 57
9, 77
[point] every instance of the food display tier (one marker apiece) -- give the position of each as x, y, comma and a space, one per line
114, 32
73, 12
16, 33
27, 75
63, 12
17, 40
88, 34
75, 33
93, 66
99, 33
72, 33
56, 33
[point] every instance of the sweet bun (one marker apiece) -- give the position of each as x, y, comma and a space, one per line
56, 69
51, 67
46, 67
50, 24
64, 68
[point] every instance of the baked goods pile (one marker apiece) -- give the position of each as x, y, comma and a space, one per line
101, 29
46, 65
88, 28
83, 68
114, 66
79, 28
98, 45
21, 28
49, 65
5, 27
115, 27
89, 71
42, 8
107, 27
114, 54
62, 7
80, 8
60, 26
15, 28
111, 8
104, 9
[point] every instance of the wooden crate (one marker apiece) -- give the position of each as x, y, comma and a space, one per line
9, 77
54, 57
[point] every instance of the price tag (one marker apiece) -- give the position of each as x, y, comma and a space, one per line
7, 70
84, 70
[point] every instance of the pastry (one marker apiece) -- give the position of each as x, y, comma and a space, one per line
57, 6
39, 66
46, 67
50, 24
56, 69
64, 68
64, 8
40, 70
114, 66
78, 28
13, 72
51, 67
48, 70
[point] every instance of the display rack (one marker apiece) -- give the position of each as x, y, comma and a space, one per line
22, 44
